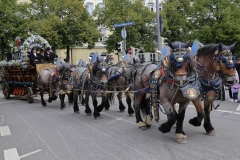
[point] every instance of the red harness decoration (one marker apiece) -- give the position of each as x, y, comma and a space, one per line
168, 80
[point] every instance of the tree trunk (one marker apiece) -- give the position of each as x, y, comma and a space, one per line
2, 47
67, 56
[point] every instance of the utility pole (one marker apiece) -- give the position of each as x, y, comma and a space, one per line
158, 29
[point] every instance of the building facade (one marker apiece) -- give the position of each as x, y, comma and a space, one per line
84, 53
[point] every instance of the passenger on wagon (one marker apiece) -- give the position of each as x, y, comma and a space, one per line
42, 55
34, 57
49, 57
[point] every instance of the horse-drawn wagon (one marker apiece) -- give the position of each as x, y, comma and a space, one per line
18, 76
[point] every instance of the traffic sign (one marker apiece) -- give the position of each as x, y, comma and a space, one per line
124, 24
124, 33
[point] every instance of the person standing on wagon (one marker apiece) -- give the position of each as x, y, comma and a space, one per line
235, 89
49, 57
34, 57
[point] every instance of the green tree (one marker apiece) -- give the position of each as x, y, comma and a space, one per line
176, 15
64, 23
142, 35
13, 20
216, 21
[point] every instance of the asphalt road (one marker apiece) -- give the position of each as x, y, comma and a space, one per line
33, 132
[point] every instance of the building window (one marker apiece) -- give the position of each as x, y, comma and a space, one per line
160, 6
150, 5
90, 8
101, 5
152, 58
104, 34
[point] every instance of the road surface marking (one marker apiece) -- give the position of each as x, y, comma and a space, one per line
233, 112
4, 102
11, 154
117, 119
238, 108
28, 154
5, 131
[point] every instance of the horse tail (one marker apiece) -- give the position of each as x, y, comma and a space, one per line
111, 98
70, 98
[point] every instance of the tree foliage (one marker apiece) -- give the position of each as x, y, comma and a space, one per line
13, 20
217, 21
142, 35
64, 23
210, 21
176, 20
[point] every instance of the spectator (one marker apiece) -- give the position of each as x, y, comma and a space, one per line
235, 89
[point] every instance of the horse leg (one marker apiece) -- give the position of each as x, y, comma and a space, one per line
171, 116
196, 121
181, 137
96, 113
137, 104
107, 106
148, 119
62, 105
101, 106
49, 98
42, 100
207, 121
75, 102
129, 102
121, 106
88, 110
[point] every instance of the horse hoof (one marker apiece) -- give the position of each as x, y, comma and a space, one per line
211, 133
44, 105
142, 128
77, 112
182, 140
88, 114
106, 109
62, 108
97, 118
122, 110
148, 126
131, 115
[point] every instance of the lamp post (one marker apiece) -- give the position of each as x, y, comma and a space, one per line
158, 28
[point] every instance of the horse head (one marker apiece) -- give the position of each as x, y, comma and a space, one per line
64, 73
98, 68
218, 58
130, 63
179, 62
226, 64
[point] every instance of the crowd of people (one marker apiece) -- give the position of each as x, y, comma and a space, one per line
233, 91
43, 56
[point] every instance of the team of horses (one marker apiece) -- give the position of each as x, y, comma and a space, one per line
184, 74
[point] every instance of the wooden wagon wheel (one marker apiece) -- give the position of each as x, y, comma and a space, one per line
6, 90
29, 95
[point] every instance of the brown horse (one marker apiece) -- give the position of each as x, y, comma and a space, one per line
215, 65
55, 82
173, 81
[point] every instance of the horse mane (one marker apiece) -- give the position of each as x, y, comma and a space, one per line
207, 50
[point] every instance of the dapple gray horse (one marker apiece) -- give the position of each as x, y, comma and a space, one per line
55, 82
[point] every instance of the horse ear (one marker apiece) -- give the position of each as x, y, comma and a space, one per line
220, 47
170, 45
232, 46
188, 44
